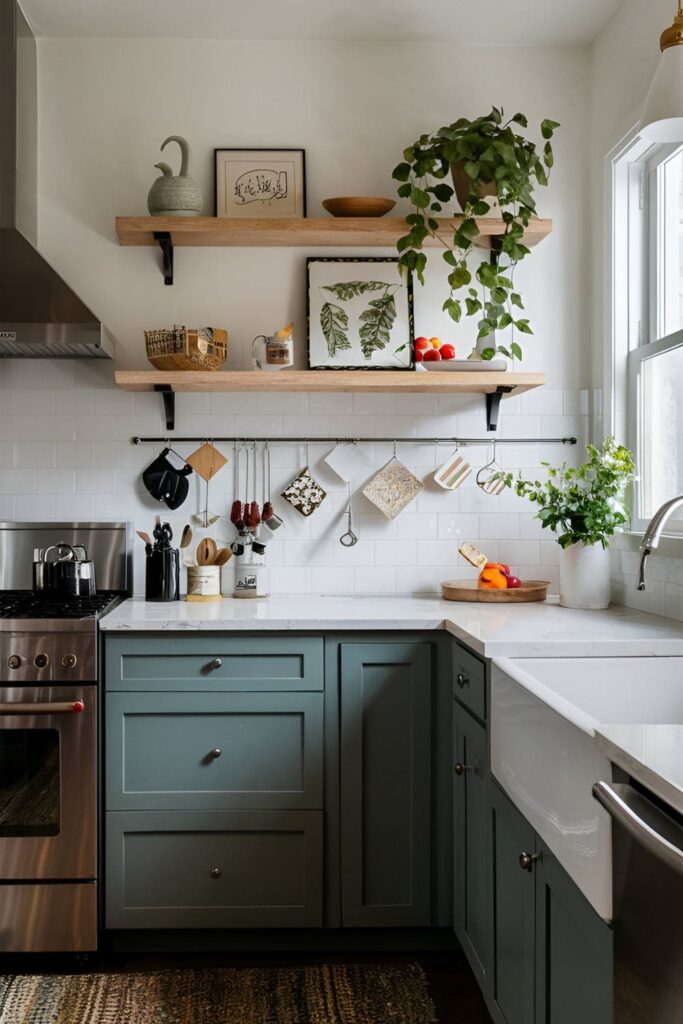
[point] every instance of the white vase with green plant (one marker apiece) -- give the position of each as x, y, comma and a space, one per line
584, 507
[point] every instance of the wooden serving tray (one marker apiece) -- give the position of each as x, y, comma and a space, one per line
469, 590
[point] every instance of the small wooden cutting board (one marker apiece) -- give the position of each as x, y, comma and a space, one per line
469, 590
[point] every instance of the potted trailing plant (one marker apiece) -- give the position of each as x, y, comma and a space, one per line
584, 507
488, 160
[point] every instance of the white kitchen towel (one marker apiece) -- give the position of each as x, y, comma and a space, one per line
348, 461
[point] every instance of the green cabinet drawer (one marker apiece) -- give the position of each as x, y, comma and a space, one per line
214, 751
203, 869
214, 663
469, 681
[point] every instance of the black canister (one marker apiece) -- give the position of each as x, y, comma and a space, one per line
162, 574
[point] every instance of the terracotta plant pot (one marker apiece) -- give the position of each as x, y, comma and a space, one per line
461, 184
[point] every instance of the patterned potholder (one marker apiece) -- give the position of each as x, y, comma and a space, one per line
392, 488
304, 493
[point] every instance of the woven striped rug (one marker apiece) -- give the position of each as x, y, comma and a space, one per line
325, 994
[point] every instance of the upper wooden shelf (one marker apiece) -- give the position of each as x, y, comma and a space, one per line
482, 382
301, 231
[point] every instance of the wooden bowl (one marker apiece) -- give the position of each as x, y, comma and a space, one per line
358, 206
469, 590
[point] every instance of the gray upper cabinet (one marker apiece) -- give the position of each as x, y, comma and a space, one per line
385, 768
214, 663
472, 912
214, 751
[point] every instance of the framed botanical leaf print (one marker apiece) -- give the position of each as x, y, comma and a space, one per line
360, 314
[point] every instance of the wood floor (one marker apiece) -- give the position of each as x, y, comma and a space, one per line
453, 988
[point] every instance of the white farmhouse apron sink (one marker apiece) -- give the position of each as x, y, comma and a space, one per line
544, 714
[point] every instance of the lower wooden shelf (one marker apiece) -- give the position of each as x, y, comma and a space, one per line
352, 381
494, 386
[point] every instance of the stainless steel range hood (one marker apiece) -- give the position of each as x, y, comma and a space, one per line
40, 316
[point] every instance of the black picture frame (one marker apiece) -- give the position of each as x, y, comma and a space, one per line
258, 149
411, 315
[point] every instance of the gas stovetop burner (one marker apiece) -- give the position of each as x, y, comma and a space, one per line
25, 604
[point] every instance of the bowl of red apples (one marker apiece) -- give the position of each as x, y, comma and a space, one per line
433, 351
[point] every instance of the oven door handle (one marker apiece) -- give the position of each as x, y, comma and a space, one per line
649, 826
67, 707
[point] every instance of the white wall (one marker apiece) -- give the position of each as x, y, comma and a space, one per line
623, 62
105, 107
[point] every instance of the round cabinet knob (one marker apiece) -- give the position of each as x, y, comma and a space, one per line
527, 860
215, 872
14, 661
41, 661
69, 660
216, 663
462, 680
460, 768
215, 753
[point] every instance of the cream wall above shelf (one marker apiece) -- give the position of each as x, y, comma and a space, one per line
374, 232
491, 384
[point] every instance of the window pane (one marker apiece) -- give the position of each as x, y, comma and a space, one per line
662, 430
29, 782
669, 315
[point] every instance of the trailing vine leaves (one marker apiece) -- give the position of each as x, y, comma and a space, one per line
488, 151
334, 322
376, 323
346, 290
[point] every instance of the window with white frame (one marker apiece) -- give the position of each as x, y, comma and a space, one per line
647, 320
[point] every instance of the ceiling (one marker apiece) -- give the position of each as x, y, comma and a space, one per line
467, 22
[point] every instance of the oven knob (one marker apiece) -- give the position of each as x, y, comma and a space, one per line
14, 661
41, 661
69, 660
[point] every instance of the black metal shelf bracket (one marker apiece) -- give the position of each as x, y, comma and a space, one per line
493, 406
166, 245
168, 395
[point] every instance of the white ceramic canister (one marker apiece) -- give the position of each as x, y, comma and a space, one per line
584, 576
204, 581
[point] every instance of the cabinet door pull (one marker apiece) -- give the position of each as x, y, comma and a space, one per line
215, 872
215, 753
461, 768
527, 860
216, 663
462, 680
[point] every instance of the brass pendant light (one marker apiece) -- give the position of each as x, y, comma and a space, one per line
662, 119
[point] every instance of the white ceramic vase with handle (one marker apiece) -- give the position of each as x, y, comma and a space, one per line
584, 576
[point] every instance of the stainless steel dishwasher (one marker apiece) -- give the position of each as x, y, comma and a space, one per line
648, 906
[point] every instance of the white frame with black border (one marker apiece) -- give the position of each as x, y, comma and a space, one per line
630, 308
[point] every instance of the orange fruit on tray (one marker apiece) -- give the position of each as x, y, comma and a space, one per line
492, 577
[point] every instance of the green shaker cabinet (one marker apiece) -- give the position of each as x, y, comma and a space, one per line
470, 847
385, 771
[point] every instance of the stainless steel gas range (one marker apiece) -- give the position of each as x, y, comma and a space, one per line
48, 738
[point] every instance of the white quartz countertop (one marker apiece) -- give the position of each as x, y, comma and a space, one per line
652, 754
523, 630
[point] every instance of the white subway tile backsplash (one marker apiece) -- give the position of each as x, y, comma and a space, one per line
65, 452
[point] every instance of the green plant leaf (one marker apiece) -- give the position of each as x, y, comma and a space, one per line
346, 290
444, 193
404, 190
376, 323
334, 322
401, 172
548, 128
454, 309
516, 350
487, 354
419, 198
516, 300
523, 326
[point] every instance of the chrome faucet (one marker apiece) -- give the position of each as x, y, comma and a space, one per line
653, 533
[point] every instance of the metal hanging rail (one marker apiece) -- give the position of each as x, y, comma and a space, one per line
464, 441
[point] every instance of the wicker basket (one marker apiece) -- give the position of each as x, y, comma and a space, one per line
187, 348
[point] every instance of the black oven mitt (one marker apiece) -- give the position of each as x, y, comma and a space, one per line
165, 482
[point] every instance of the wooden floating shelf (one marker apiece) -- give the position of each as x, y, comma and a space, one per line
300, 231
477, 382
493, 385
